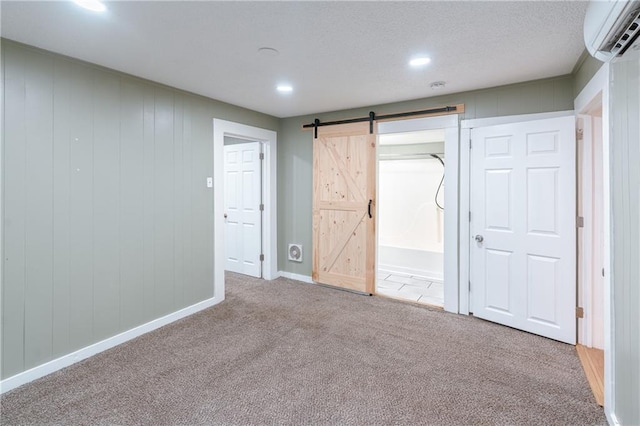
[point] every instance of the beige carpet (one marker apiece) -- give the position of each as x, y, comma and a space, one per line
283, 352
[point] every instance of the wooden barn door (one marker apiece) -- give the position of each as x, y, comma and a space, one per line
344, 182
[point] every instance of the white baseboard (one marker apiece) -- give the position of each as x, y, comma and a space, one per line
611, 418
297, 277
67, 360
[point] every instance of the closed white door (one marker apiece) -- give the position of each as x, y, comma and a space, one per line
523, 249
242, 199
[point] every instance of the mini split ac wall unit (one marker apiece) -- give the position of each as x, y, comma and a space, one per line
611, 29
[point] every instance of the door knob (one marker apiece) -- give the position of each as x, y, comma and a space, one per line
479, 238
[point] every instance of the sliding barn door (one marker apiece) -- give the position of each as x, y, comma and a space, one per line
343, 206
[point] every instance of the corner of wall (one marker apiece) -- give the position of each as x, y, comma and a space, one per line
583, 71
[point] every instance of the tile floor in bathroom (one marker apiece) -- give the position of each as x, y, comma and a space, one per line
414, 288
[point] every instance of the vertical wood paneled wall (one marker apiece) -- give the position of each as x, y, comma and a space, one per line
625, 253
107, 220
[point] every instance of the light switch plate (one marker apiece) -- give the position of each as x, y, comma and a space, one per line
209, 182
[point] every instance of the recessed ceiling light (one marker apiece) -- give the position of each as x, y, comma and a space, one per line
284, 88
93, 5
268, 51
418, 62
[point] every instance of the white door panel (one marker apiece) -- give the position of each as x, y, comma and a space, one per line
523, 207
242, 199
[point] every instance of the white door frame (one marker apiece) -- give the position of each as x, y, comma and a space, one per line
588, 245
599, 84
465, 193
450, 124
222, 128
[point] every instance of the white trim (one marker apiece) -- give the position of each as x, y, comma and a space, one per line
585, 168
451, 187
600, 83
495, 121
298, 277
222, 128
86, 352
451, 229
2, 182
465, 230
611, 418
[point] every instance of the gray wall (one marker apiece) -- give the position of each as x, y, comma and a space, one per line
107, 220
625, 253
294, 147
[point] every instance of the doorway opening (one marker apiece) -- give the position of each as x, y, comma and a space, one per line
268, 138
243, 206
411, 170
593, 236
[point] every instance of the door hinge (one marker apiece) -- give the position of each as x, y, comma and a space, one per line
469, 216
579, 312
579, 134
469, 285
262, 258
262, 155
470, 143
261, 207
579, 222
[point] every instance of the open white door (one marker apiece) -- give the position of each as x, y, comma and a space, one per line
242, 200
523, 207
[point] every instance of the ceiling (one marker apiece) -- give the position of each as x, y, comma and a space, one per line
336, 55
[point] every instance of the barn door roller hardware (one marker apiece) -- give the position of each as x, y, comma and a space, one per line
372, 117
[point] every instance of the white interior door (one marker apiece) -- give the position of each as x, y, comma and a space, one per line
242, 199
523, 260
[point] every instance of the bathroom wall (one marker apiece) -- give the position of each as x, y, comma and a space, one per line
411, 226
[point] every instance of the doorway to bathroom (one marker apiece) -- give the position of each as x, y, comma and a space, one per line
411, 172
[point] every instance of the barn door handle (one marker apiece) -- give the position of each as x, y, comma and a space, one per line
369, 209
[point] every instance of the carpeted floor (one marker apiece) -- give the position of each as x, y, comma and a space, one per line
283, 352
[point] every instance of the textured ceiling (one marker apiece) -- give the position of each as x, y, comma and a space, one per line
336, 55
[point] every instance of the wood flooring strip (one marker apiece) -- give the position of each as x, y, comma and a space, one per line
593, 364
